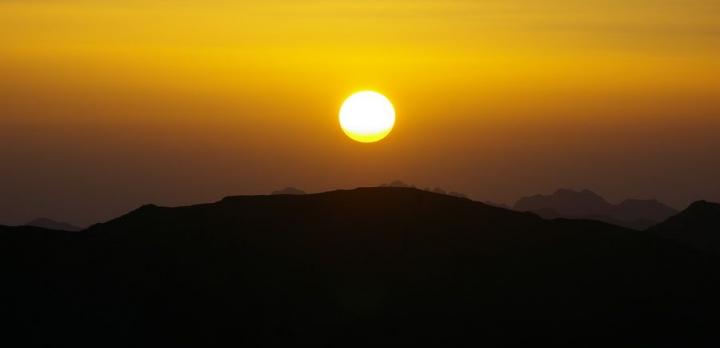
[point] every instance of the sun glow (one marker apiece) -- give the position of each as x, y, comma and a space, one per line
367, 116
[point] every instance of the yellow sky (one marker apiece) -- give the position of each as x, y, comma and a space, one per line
478, 85
455, 43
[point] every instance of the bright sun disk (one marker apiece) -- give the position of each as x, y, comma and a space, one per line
367, 116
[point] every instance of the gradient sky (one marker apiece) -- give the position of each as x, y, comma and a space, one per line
108, 105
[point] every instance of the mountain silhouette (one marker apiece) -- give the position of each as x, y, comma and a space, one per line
354, 268
644, 211
498, 205
53, 225
566, 202
438, 190
289, 191
698, 225
632, 213
397, 183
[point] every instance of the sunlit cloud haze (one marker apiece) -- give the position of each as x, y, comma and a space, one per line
108, 105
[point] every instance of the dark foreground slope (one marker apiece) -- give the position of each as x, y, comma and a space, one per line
698, 226
367, 267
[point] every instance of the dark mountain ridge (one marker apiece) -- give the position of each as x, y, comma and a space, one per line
698, 225
53, 225
289, 191
637, 214
354, 268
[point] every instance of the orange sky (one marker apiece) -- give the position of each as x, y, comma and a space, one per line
106, 105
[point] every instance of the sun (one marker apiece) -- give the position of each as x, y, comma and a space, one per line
367, 116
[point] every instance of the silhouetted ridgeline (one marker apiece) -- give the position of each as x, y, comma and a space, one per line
358, 268
52, 224
289, 191
439, 190
632, 213
698, 225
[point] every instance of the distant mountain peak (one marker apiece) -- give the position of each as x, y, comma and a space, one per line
53, 225
565, 201
586, 204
